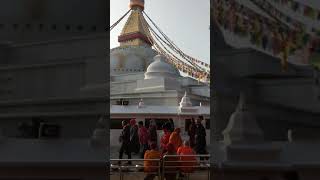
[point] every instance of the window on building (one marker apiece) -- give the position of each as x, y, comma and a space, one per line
117, 123
38, 128
49, 130
123, 102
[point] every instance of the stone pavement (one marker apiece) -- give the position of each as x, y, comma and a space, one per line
203, 175
114, 153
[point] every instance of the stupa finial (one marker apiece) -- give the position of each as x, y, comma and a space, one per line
136, 3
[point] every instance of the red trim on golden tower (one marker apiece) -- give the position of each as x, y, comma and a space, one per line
136, 35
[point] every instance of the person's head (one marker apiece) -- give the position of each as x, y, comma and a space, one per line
133, 122
166, 126
124, 122
177, 130
165, 129
199, 119
170, 148
152, 122
153, 146
186, 143
192, 120
140, 123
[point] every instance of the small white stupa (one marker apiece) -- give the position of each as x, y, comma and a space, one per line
185, 101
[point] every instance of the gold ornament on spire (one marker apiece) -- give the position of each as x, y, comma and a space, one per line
136, 3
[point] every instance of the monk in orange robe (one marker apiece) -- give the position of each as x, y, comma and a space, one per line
175, 138
186, 165
151, 167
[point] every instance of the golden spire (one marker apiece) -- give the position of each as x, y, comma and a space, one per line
133, 32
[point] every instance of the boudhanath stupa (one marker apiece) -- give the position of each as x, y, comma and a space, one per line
141, 75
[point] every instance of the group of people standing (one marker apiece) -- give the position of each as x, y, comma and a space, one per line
134, 137
138, 138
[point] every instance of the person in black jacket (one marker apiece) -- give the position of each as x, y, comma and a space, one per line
125, 141
134, 137
192, 132
200, 138
171, 125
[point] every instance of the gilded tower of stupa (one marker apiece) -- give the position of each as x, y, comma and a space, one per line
135, 52
134, 33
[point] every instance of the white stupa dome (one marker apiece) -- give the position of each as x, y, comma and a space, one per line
160, 68
130, 59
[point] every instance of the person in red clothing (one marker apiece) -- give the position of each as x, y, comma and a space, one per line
143, 138
165, 139
175, 138
186, 165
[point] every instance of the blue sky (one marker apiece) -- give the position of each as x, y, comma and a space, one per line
185, 22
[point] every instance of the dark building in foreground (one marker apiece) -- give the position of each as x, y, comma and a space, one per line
265, 123
53, 88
